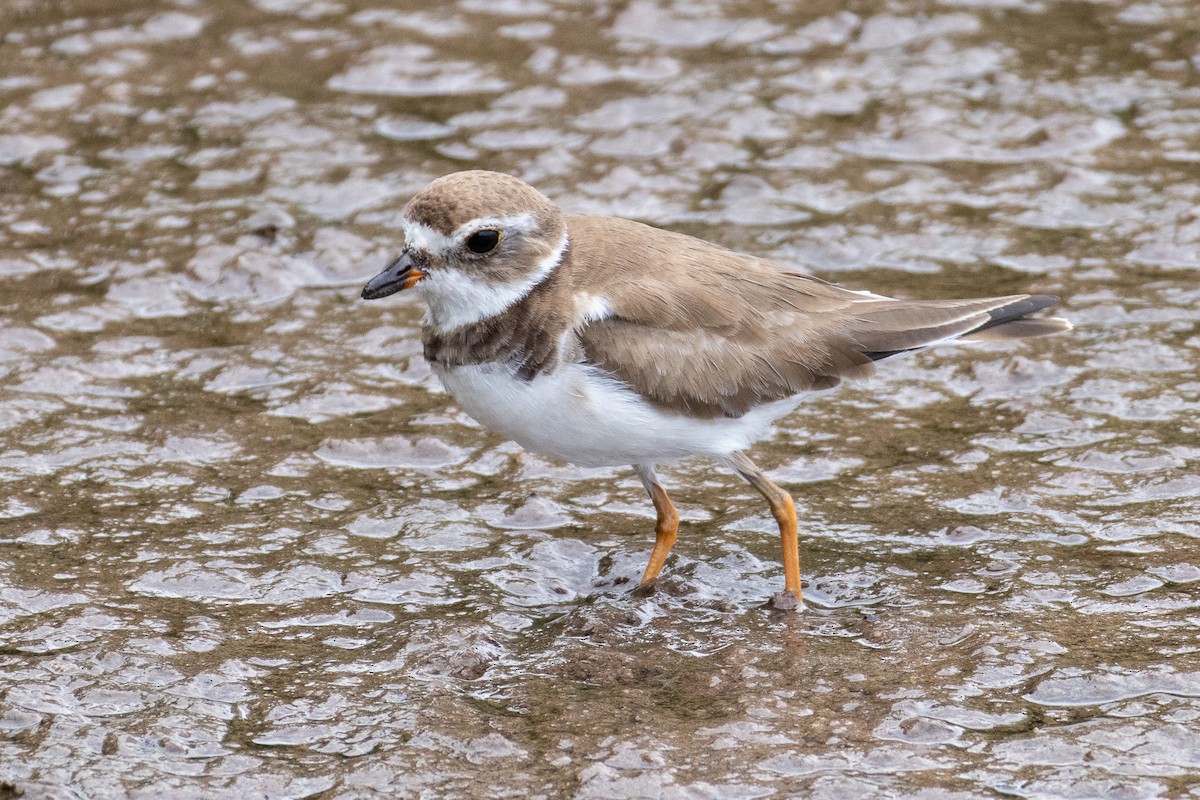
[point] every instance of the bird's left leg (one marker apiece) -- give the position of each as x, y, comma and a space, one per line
665, 528
784, 511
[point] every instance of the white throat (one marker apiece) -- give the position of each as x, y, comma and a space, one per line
456, 299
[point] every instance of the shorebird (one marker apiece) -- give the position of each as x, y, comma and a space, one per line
603, 341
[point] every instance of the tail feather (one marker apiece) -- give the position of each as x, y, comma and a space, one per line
888, 328
1019, 329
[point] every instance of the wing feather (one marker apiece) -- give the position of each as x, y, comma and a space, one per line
706, 331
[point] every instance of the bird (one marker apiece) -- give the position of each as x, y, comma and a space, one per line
603, 341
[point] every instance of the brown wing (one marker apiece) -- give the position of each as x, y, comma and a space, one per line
710, 373
703, 330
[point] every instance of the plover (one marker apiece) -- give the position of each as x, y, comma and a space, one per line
603, 341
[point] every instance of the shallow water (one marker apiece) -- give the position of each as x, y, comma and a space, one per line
248, 548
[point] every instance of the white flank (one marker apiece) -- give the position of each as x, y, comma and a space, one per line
593, 307
580, 414
456, 299
867, 297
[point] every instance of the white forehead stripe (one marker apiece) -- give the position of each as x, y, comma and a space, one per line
422, 237
517, 223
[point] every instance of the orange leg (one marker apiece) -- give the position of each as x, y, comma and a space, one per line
784, 511
665, 528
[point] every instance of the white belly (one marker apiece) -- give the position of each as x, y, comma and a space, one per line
583, 416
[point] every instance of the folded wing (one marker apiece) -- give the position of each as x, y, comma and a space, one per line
706, 331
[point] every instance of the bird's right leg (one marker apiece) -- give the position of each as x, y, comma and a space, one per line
784, 511
665, 528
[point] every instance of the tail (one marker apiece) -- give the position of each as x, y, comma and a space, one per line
886, 328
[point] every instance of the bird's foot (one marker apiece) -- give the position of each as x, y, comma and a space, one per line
786, 601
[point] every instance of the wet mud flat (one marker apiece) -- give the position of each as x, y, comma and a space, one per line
249, 548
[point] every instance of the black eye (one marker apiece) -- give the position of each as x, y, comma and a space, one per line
483, 241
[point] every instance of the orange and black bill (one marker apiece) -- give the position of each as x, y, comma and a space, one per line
403, 273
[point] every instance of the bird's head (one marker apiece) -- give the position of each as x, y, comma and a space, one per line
475, 243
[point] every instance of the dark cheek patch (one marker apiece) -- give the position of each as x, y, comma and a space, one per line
512, 261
